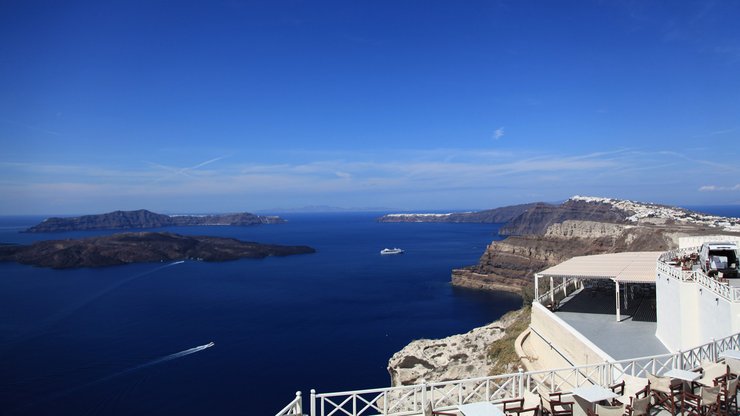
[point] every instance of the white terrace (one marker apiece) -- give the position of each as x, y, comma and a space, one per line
561, 352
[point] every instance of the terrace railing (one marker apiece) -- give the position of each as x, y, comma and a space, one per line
560, 290
294, 408
717, 286
409, 400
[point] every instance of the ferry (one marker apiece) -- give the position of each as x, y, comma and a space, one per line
391, 251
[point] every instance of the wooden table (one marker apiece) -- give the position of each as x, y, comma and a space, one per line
480, 409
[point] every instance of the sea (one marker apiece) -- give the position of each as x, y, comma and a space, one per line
135, 339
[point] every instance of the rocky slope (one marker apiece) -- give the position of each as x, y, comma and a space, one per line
458, 356
497, 215
127, 248
145, 219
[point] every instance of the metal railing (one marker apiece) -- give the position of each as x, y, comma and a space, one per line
409, 400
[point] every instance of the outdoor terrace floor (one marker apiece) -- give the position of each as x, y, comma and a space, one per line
592, 313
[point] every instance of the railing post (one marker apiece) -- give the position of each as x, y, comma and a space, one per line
714, 350
299, 402
520, 384
313, 402
680, 360
423, 394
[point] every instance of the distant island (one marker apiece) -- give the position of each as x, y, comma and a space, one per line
489, 216
139, 247
120, 220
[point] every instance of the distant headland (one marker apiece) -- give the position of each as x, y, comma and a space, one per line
125, 248
121, 220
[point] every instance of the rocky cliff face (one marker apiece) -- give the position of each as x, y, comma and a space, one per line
585, 229
536, 220
458, 356
142, 218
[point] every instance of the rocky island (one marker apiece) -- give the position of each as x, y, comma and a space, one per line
125, 248
142, 218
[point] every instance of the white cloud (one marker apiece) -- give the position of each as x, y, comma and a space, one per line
499, 133
406, 177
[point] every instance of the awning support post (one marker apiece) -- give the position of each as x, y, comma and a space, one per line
619, 317
552, 292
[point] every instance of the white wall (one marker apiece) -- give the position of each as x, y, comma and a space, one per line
690, 314
577, 349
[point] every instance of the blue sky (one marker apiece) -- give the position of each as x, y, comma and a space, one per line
412, 105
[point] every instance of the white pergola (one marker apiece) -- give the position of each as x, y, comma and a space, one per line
630, 267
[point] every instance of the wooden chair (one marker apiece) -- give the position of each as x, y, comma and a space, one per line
429, 410
602, 410
728, 398
703, 404
733, 367
665, 393
639, 403
516, 407
553, 404
713, 374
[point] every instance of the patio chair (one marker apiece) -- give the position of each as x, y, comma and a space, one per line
553, 404
712, 375
602, 410
516, 407
705, 403
728, 397
733, 367
429, 410
665, 393
633, 387
639, 406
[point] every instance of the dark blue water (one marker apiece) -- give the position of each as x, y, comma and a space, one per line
100, 341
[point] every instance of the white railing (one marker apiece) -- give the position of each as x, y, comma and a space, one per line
294, 408
717, 286
409, 400
561, 287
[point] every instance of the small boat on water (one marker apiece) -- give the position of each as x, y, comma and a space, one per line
391, 251
210, 344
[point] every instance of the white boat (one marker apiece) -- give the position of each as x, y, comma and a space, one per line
210, 344
391, 251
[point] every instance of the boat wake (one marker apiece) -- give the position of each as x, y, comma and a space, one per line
166, 358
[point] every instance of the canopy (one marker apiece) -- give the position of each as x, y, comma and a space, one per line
631, 267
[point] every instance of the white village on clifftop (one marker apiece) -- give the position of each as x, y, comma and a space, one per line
633, 333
